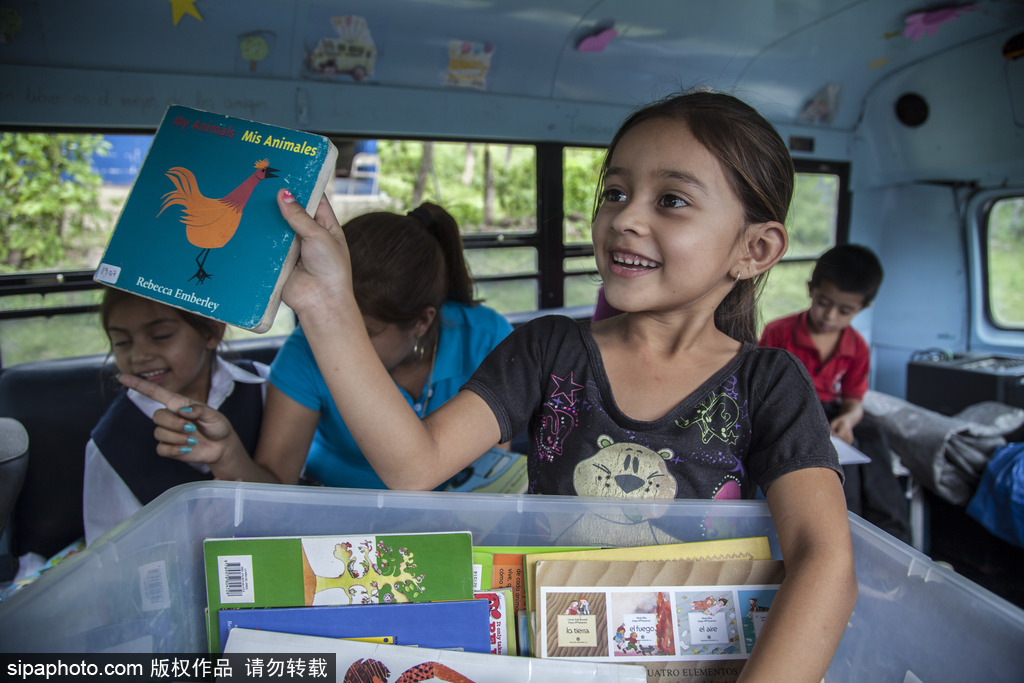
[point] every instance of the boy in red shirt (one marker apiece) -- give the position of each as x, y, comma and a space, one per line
844, 282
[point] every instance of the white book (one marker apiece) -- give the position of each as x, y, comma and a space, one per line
848, 455
397, 660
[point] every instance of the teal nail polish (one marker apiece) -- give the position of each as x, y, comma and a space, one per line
187, 409
192, 441
184, 449
189, 427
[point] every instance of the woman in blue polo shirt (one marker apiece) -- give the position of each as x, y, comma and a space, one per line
415, 292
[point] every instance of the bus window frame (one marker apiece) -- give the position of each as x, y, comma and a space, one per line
548, 239
985, 334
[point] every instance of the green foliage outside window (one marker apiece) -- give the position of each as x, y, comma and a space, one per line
49, 198
1005, 256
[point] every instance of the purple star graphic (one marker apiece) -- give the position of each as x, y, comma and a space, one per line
561, 390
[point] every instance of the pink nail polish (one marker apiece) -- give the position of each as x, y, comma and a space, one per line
287, 196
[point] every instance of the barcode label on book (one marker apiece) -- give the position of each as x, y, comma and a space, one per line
153, 586
478, 573
234, 573
107, 273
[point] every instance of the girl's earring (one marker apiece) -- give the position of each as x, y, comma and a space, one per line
419, 350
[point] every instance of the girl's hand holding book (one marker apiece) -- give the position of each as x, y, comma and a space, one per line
323, 276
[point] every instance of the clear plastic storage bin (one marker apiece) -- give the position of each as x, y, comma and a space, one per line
141, 588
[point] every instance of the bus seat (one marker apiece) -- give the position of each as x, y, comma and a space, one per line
13, 462
59, 402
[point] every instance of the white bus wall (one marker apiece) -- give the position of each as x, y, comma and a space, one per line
904, 202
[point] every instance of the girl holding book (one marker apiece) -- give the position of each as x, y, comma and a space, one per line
670, 399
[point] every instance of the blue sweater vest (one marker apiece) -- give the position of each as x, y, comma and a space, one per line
125, 437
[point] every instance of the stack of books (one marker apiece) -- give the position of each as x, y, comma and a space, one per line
684, 611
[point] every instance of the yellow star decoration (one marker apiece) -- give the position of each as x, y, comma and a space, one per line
180, 8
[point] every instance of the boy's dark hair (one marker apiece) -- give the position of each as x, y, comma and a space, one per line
851, 268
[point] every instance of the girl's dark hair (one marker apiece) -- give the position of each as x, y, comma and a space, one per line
403, 264
113, 297
755, 161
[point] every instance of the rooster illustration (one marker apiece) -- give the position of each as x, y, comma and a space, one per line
211, 223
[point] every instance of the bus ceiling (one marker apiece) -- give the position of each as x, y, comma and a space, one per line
905, 89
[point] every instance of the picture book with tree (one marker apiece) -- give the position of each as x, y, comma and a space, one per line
336, 570
201, 230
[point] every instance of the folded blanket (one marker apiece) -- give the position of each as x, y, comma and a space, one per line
944, 454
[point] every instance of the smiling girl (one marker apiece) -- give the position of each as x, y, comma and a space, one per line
177, 351
670, 399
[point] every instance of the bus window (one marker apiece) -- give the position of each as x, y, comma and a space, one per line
491, 191
813, 226
48, 302
1004, 254
516, 291
57, 211
580, 173
581, 167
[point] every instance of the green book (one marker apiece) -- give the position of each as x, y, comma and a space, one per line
296, 571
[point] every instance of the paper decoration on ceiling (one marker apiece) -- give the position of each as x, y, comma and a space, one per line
597, 41
468, 64
351, 52
180, 8
253, 48
928, 22
10, 24
823, 106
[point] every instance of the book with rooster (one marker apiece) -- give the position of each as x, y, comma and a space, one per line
200, 229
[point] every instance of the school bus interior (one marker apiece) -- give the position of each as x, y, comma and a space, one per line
912, 111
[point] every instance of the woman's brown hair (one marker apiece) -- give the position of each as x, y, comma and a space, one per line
403, 264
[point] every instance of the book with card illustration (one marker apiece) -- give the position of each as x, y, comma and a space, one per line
684, 620
751, 548
201, 230
297, 571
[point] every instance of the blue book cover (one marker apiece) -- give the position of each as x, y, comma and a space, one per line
200, 229
456, 624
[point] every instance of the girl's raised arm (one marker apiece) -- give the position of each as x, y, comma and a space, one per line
405, 452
